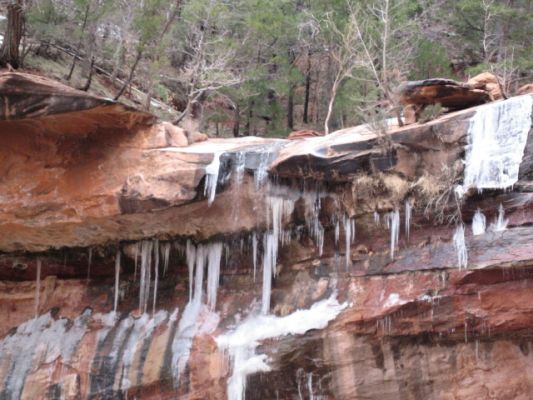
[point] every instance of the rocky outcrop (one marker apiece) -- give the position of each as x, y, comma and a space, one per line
525, 89
303, 134
488, 82
446, 92
359, 229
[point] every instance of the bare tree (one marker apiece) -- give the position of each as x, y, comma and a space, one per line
346, 56
209, 66
9, 52
144, 44
374, 46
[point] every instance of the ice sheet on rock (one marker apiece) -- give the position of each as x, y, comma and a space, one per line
497, 137
241, 343
42, 338
142, 329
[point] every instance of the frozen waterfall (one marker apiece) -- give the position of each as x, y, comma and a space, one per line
241, 344
497, 138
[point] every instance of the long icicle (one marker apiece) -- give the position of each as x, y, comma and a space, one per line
254, 252
117, 279
166, 257
136, 261
89, 262
156, 269
38, 288
190, 252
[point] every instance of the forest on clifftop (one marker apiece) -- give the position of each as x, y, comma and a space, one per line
258, 67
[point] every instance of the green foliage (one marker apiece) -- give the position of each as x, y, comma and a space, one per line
431, 60
266, 45
430, 112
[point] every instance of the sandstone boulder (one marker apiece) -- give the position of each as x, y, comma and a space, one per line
296, 135
526, 89
446, 92
488, 82
196, 137
165, 134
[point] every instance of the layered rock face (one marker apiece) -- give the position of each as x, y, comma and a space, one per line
368, 264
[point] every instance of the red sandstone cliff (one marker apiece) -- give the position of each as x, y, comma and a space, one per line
82, 178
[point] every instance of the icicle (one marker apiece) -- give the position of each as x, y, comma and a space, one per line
89, 263
136, 261
310, 386
214, 255
348, 240
270, 246
145, 276
190, 252
211, 178
241, 344
394, 231
408, 214
500, 224
497, 138
254, 252
320, 240
117, 279
479, 223
239, 167
352, 222
37, 287
377, 218
201, 259
337, 232
459, 244
261, 173
211, 255
165, 249
156, 270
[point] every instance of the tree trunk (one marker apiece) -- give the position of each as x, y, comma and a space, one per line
74, 58
249, 116
130, 77
90, 77
333, 95
149, 91
236, 120
290, 108
9, 52
307, 89
120, 58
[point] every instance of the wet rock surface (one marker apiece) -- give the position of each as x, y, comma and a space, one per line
411, 325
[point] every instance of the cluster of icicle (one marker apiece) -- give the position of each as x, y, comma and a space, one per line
151, 252
392, 223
